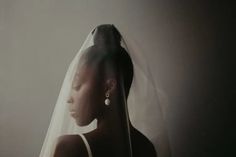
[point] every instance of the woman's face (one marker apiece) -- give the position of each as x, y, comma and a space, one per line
86, 96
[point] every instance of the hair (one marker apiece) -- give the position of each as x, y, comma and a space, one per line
107, 53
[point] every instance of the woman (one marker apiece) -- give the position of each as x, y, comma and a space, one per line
98, 86
102, 68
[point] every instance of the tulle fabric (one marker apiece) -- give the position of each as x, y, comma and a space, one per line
144, 108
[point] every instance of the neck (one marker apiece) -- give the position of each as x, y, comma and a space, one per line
113, 118
115, 125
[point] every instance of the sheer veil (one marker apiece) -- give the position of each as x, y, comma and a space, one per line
144, 108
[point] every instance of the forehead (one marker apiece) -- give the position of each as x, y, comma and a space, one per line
83, 73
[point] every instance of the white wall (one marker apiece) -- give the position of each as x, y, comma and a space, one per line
38, 39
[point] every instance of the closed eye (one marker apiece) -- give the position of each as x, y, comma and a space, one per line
76, 87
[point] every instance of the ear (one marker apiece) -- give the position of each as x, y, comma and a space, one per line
111, 85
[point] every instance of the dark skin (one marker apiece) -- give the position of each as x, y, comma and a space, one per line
108, 139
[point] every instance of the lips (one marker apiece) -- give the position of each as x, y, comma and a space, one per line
73, 114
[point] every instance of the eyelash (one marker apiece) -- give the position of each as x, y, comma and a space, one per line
77, 87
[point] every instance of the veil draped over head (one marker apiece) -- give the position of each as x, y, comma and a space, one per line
139, 106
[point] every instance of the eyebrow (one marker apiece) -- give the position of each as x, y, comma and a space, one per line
76, 79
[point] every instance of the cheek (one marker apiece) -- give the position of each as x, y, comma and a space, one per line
87, 99
87, 102
81, 98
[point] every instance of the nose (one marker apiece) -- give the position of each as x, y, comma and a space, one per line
70, 100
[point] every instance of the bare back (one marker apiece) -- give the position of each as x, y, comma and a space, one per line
73, 146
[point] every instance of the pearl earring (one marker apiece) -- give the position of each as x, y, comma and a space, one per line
107, 100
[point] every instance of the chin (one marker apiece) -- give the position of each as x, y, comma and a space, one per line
82, 122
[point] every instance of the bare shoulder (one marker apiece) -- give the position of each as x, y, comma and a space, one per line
70, 146
142, 146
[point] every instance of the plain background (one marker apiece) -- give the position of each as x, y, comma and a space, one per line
189, 47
